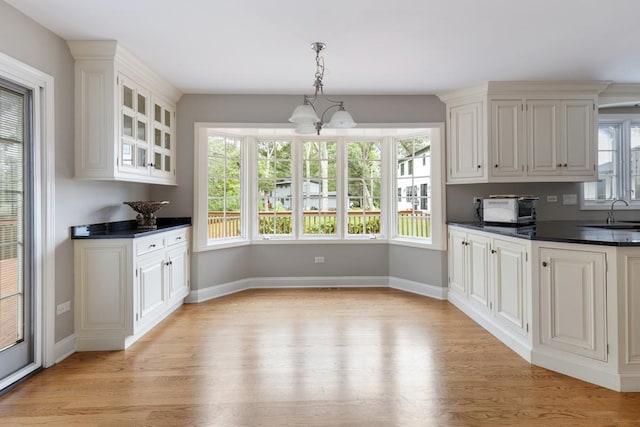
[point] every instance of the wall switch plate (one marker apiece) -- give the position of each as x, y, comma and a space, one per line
319, 260
569, 199
63, 307
552, 199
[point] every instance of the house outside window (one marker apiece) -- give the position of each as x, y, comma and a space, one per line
275, 188
413, 218
618, 164
319, 188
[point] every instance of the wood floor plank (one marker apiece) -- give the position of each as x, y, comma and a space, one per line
313, 357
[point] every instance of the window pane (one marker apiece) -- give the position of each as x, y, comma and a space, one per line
634, 162
275, 201
364, 187
608, 185
319, 187
413, 179
224, 187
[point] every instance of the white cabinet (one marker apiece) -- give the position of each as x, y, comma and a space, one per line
522, 131
124, 287
466, 144
508, 154
510, 281
489, 281
573, 300
469, 261
124, 116
558, 133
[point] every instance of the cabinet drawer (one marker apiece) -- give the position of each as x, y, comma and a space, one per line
177, 237
150, 244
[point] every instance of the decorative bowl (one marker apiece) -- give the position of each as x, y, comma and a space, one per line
146, 217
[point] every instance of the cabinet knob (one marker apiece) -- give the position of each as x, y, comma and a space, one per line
493, 251
150, 164
565, 165
559, 165
496, 165
153, 245
544, 263
478, 166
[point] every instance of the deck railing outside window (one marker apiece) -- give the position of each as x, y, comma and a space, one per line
412, 223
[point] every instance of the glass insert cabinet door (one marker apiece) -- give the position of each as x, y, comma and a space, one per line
163, 143
134, 126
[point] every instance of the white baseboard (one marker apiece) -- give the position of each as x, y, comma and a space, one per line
582, 371
423, 289
319, 282
64, 348
216, 291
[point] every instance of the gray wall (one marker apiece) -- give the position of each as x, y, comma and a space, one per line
282, 260
460, 201
76, 202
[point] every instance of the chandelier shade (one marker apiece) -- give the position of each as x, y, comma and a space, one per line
341, 119
306, 116
304, 113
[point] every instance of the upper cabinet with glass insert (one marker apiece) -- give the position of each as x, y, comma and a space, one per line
125, 116
523, 132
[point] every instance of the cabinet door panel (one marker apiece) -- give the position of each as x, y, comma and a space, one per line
179, 273
506, 138
510, 285
479, 262
573, 302
152, 294
632, 320
542, 135
465, 142
457, 260
579, 148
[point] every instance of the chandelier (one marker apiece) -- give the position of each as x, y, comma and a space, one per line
305, 116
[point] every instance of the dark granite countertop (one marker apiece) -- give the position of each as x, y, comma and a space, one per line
125, 229
586, 232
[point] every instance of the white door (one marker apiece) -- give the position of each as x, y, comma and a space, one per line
507, 138
478, 263
151, 285
510, 281
16, 225
543, 136
179, 272
465, 143
578, 139
457, 260
573, 301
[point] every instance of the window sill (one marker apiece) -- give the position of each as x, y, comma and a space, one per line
231, 243
414, 243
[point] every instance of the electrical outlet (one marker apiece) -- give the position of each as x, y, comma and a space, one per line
552, 199
319, 260
569, 199
63, 307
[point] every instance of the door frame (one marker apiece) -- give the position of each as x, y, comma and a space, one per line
43, 139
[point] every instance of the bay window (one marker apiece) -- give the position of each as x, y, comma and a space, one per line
269, 185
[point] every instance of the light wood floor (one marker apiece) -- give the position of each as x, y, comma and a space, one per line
317, 357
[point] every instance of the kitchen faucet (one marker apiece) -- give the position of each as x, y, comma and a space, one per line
610, 219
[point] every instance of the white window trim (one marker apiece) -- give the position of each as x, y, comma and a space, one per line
625, 120
388, 190
43, 122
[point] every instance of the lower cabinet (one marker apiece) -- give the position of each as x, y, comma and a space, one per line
124, 287
510, 279
573, 301
489, 281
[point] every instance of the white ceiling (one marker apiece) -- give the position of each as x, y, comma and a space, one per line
373, 46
